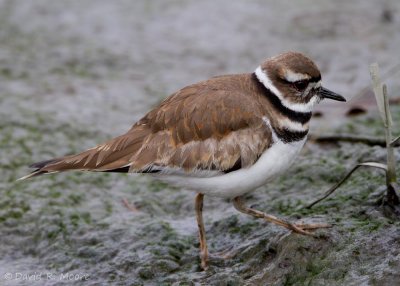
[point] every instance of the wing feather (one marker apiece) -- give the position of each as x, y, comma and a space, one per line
197, 128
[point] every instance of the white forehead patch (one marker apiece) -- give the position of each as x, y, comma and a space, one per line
293, 77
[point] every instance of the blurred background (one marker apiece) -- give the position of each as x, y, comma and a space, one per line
75, 73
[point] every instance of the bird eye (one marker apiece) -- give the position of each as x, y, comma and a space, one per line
300, 85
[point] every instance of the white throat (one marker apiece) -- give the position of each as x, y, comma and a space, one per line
299, 107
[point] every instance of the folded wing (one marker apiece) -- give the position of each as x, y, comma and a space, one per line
195, 129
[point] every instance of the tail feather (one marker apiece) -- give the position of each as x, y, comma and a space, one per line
42, 164
33, 174
111, 156
39, 168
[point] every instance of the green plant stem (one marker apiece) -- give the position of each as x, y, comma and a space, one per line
391, 162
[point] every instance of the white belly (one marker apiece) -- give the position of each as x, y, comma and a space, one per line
275, 160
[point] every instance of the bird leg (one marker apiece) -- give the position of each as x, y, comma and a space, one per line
202, 233
298, 228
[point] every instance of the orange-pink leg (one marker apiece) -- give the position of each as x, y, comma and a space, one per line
202, 234
298, 228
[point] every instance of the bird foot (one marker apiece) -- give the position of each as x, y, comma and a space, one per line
204, 259
306, 228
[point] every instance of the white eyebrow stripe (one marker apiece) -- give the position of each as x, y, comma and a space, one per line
293, 77
299, 107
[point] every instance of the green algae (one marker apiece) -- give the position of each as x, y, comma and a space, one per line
77, 221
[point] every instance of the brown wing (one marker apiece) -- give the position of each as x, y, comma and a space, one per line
197, 128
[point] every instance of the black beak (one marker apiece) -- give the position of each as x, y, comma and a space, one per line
326, 93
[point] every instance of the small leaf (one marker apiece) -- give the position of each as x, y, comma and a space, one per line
375, 165
378, 90
387, 109
395, 141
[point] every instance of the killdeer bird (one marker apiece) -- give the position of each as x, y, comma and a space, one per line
222, 137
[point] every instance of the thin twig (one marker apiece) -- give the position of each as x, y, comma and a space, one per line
129, 206
395, 142
371, 141
391, 161
331, 190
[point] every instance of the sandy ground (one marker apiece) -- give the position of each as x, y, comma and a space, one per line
74, 73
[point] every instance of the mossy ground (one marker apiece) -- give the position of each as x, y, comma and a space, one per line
69, 83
